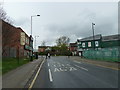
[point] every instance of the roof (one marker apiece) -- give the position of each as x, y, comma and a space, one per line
111, 37
96, 37
73, 44
43, 46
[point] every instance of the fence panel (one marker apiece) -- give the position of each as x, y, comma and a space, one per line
106, 54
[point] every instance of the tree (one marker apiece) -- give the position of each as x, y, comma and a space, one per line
43, 43
62, 46
62, 40
3, 15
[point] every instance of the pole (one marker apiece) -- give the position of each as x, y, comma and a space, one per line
93, 36
31, 37
31, 59
35, 42
31, 25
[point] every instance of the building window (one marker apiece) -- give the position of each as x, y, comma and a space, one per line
79, 42
89, 44
83, 44
96, 43
26, 40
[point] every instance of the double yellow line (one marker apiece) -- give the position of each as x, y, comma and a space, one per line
32, 83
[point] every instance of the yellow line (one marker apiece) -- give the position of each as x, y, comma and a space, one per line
31, 85
104, 66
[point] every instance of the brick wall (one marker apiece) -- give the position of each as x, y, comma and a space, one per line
11, 41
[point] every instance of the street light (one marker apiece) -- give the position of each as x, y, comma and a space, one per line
93, 35
31, 37
31, 21
35, 42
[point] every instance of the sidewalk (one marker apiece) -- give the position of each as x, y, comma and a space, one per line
19, 77
112, 65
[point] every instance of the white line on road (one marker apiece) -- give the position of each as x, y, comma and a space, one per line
48, 65
81, 68
77, 62
50, 76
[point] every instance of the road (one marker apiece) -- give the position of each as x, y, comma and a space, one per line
62, 72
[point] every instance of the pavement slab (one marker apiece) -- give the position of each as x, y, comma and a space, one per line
18, 77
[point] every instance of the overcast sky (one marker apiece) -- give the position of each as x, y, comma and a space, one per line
72, 19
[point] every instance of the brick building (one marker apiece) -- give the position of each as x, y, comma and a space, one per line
15, 42
73, 48
43, 48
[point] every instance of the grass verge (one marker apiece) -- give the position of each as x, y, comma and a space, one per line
12, 63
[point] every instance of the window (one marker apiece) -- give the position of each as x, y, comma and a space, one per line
83, 44
96, 43
89, 44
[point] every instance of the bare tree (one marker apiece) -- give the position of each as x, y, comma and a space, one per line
63, 40
3, 15
43, 43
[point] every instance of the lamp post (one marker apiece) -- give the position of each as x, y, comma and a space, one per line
31, 21
93, 35
31, 55
35, 42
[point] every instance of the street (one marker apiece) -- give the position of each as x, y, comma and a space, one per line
62, 72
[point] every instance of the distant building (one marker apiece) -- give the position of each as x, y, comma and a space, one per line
73, 48
102, 47
15, 42
98, 42
43, 48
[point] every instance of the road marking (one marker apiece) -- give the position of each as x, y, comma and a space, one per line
63, 65
56, 70
77, 62
48, 65
81, 68
31, 85
54, 65
72, 69
68, 65
50, 76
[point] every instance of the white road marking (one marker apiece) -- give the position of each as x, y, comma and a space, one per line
54, 65
77, 62
48, 65
62, 69
81, 68
50, 76
72, 69
68, 64
56, 70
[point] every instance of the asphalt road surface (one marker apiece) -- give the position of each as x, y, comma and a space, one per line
61, 72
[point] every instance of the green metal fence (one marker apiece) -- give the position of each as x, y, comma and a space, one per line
106, 54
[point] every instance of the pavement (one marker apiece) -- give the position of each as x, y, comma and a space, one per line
64, 72
106, 64
20, 76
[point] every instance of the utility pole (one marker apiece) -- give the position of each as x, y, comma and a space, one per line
93, 35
